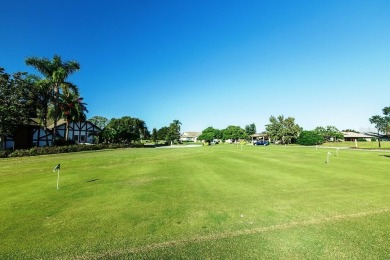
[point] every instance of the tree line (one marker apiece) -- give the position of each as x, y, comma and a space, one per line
284, 130
51, 97
128, 129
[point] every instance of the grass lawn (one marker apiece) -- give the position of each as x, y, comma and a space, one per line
207, 202
362, 145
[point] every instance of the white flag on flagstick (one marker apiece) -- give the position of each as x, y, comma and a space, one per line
57, 168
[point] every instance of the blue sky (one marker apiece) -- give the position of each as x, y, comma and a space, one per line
213, 63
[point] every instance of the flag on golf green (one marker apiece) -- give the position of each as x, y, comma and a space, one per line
57, 167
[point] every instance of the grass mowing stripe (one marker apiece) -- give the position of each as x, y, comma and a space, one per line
212, 237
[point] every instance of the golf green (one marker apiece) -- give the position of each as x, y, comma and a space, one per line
222, 201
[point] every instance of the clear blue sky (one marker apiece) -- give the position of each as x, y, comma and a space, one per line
213, 63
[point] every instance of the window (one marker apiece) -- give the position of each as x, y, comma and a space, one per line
82, 138
75, 138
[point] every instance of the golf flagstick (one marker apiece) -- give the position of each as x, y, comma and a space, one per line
57, 168
327, 157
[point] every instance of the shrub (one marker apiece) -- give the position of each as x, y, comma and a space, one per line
4, 154
63, 142
65, 149
310, 138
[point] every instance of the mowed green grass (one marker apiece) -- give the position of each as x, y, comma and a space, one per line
211, 202
361, 145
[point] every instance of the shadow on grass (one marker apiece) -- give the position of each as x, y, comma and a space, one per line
385, 155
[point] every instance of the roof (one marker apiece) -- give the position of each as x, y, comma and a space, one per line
59, 122
355, 135
259, 135
191, 134
62, 122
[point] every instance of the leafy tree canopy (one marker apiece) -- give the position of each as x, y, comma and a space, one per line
284, 130
329, 133
162, 133
16, 101
234, 133
310, 138
125, 129
381, 124
210, 133
99, 121
250, 129
174, 131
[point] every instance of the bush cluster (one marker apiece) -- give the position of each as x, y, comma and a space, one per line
64, 149
4, 154
310, 138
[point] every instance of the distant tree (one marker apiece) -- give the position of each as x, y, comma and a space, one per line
310, 138
284, 130
163, 133
250, 129
108, 134
16, 101
386, 112
349, 130
56, 72
329, 133
380, 123
99, 121
234, 133
209, 134
154, 135
174, 131
124, 129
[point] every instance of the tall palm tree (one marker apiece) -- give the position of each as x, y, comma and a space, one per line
380, 124
72, 108
43, 96
56, 72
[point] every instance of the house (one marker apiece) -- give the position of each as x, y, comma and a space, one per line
190, 136
352, 136
33, 134
80, 132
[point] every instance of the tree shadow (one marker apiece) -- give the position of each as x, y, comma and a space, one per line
93, 180
385, 155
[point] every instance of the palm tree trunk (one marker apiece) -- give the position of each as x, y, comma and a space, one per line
67, 130
55, 111
45, 128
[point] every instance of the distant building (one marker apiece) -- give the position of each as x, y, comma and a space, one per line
190, 136
33, 134
352, 136
259, 137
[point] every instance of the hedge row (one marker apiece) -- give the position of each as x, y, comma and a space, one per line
64, 149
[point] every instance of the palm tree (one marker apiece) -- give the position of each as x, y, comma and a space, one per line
71, 108
177, 124
174, 130
43, 96
56, 72
380, 124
